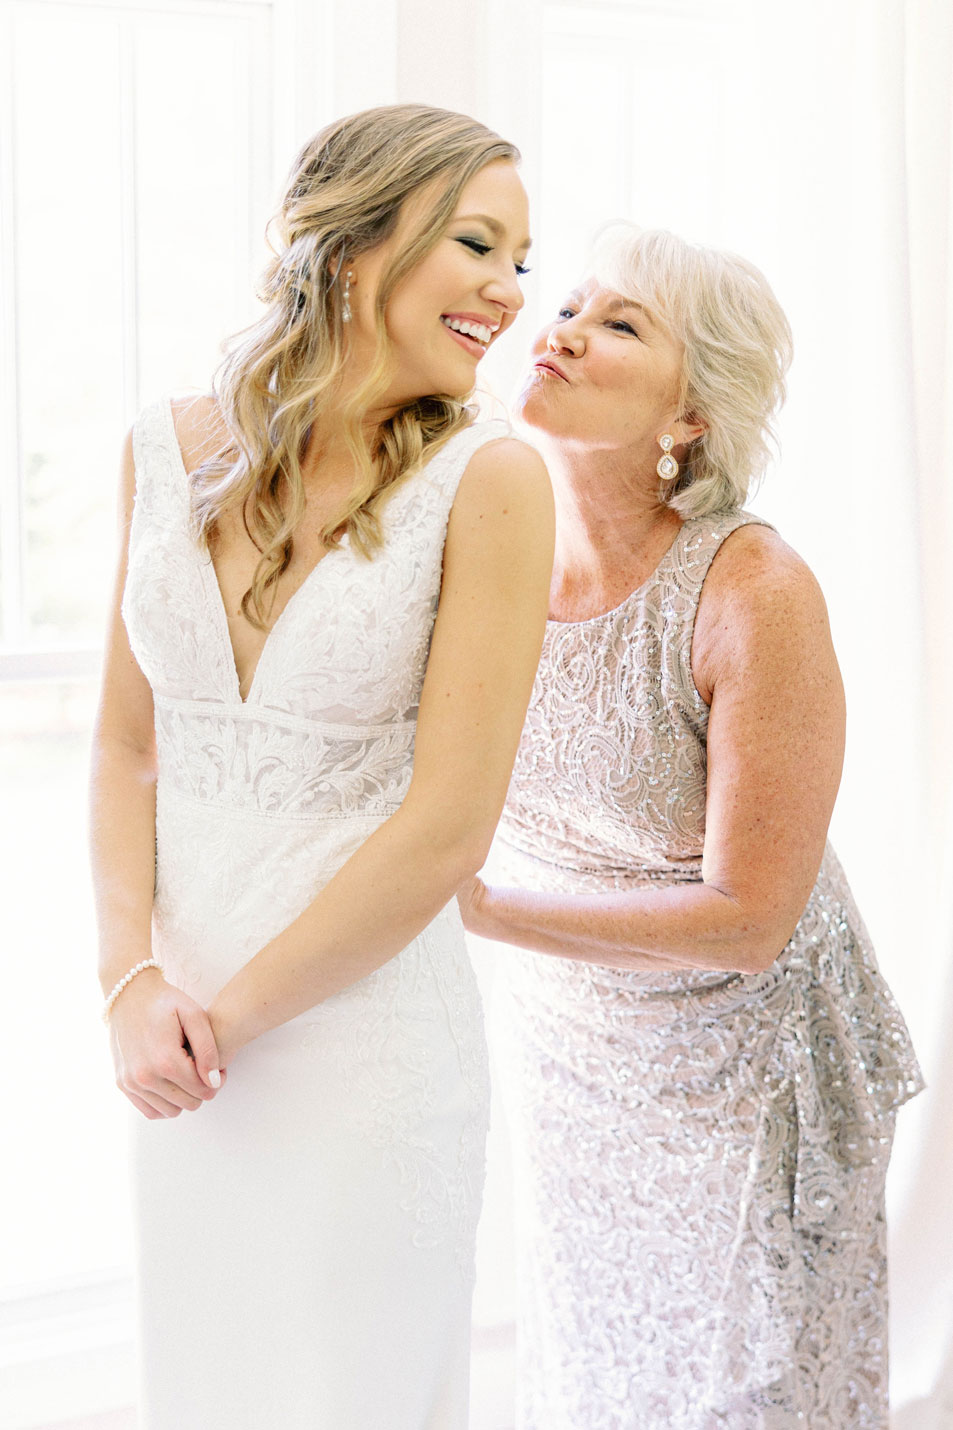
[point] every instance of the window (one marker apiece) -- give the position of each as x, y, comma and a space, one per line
136, 170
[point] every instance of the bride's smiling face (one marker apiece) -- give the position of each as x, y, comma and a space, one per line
470, 279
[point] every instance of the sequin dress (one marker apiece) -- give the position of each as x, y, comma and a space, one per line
699, 1156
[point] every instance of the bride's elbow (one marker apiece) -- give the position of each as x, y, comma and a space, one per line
451, 845
470, 850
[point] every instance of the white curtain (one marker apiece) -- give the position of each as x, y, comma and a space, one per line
867, 489
916, 179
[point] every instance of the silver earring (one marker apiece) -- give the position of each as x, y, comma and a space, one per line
346, 310
667, 467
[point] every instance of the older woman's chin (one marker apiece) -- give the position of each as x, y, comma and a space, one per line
531, 405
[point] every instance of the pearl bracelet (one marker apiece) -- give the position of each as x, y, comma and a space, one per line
146, 963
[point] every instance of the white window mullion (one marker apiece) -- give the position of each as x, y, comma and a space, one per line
304, 75
261, 122
11, 544
130, 235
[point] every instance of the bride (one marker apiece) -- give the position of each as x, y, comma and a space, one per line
327, 621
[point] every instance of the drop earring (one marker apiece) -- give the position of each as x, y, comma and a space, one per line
346, 309
667, 467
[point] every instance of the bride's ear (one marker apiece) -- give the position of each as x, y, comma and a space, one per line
335, 265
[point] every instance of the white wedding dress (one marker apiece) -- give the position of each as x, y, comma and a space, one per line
305, 1240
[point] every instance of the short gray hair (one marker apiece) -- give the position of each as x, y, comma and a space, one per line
737, 350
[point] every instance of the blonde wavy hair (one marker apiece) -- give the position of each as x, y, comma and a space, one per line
737, 351
343, 197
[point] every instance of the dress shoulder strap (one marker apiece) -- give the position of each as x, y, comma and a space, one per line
444, 470
699, 542
423, 501
695, 548
161, 485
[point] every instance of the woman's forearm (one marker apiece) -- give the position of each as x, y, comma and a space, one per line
122, 854
690, 925
385, 895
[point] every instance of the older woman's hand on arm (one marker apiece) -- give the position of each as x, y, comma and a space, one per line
762, 658
163, 1049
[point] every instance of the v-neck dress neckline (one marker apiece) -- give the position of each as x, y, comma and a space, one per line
216, 600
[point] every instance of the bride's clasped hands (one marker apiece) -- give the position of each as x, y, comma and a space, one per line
166, 1055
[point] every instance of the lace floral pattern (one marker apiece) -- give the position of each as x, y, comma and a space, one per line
260, 802
398, 1078
699, 1156
277, 766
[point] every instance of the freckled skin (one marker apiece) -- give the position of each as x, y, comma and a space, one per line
762, 658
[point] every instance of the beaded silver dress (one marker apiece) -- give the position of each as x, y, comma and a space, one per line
699, 1156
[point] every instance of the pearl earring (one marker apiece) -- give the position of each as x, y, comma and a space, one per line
667, 466
346, 310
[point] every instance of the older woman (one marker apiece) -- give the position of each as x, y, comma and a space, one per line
702, 1059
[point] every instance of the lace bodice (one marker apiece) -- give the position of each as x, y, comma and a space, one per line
328, 725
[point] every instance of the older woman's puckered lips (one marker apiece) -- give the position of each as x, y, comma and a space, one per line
547, 365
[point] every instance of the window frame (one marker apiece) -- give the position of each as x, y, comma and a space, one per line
294, 31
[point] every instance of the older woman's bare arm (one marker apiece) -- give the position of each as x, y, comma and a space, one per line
763, 658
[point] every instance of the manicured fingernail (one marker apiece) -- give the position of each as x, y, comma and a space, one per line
215, 1077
